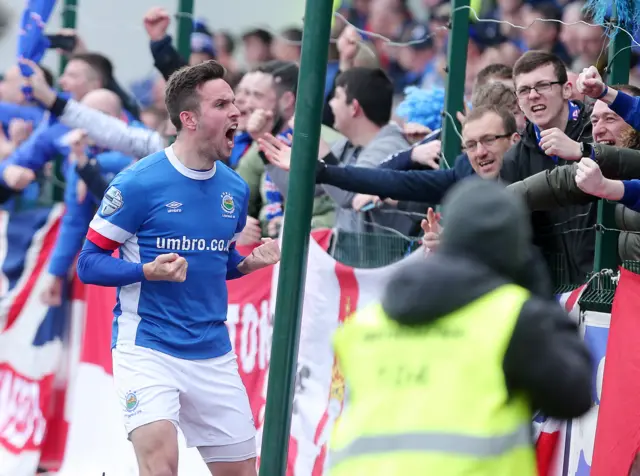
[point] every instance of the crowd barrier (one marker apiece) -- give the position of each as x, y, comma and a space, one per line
58, 406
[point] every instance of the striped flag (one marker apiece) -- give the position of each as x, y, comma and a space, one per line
548, 432
32, 374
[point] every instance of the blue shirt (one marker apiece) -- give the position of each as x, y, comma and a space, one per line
159, 206
10, 111
78, 213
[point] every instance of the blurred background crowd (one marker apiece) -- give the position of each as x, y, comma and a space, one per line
382, 168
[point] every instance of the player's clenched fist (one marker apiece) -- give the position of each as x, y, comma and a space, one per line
167, 267
156, 22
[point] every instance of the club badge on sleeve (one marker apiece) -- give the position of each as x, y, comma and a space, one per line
112, 202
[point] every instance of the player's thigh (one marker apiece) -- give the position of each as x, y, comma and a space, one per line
156, 448
214, 409
149, 397
238, 459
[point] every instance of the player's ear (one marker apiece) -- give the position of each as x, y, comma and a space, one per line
189, 120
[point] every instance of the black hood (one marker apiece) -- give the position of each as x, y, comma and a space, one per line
486, 223
486, 242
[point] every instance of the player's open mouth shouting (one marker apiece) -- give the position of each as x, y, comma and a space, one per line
230, 133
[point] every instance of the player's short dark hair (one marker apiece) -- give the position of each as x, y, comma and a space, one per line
508, 119
284, 73
99, 64
494, 71
181, 93
532, 60
373, 90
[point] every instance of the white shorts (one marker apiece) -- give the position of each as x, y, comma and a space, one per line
206, 399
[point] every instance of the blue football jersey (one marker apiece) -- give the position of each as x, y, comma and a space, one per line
159, 206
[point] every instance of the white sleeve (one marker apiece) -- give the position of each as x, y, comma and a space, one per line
111, 133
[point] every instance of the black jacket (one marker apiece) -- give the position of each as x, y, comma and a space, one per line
166, 58
557, 188
486, 244
566, 236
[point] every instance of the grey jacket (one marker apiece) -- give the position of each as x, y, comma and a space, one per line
557, 188
388, 141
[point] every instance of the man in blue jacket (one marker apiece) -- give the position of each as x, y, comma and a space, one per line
80, 206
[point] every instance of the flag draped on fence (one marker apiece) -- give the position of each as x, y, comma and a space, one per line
73, 383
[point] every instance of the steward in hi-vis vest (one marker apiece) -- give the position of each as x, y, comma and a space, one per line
445, 373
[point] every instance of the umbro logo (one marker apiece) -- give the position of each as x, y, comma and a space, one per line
174, 207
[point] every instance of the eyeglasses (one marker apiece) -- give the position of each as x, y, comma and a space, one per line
540, 88
486, 141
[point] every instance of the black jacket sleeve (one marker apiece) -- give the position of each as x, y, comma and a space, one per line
328, 118
617, 163
548, 361
127, 101
92, 176
427, 186
165, 57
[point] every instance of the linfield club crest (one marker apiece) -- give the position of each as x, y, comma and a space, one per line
131, 401
228, 205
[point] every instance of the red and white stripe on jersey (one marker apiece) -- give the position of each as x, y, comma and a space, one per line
105, 234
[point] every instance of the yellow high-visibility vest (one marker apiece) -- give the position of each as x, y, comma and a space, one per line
432, 400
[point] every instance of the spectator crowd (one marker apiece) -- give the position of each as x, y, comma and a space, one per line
538, 117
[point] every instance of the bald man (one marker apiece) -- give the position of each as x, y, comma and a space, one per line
79, 202
105, 101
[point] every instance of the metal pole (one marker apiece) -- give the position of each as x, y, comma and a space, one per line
454, 90
185, 27
69, 18
295, 242
55, 188
606, 252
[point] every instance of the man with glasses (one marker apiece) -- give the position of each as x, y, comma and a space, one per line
487, 134
566, 235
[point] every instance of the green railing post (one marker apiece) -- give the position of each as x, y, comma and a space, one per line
454, 90
53, 190
185, 27
69, 19
295, 242
606, 252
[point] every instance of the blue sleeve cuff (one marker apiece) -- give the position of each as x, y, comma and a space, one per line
623, 105
631, 197
235, 259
